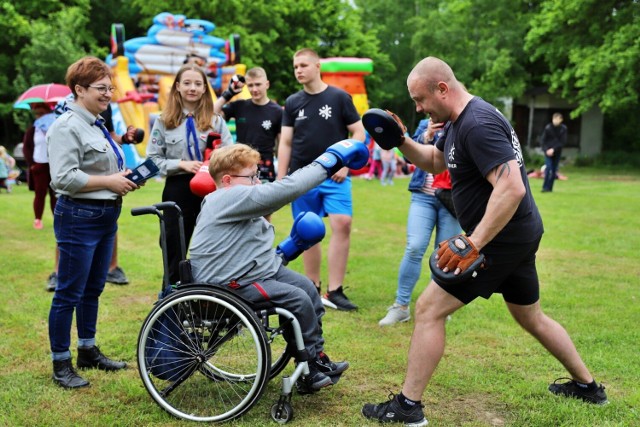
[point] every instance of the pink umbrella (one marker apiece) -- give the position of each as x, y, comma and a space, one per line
49, 93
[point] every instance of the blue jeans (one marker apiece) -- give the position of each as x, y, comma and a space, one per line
85, 235
550, 171
425, 213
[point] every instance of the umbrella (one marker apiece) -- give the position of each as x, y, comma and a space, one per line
49, 93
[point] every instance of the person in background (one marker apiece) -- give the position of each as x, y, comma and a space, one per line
313, 119
177, 145
89, 176
6, 164
34, 149
375, 168
554, 137
426, 213
388, 159
35, 154
258, 120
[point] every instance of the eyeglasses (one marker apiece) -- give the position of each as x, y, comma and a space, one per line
102, 90
255, 178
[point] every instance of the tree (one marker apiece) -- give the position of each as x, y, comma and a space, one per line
481, 41
592, 49
392, 23
271, 31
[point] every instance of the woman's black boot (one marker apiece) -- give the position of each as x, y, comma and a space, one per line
65, 376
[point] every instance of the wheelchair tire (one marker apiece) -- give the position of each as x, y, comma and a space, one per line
203, 355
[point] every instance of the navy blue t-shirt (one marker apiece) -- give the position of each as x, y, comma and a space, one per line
256, 125
480, 139
318, 121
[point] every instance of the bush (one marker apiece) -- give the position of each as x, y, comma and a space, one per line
533, 159
617, 158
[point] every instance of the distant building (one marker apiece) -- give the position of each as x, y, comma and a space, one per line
533, 111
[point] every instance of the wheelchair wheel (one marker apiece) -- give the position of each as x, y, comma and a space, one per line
203, 355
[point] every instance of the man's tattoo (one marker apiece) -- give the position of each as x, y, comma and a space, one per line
501, 170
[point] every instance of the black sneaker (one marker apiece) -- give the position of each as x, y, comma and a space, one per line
52, 282
391, 412
117, 277
572, 389
340, 300
316, 379
329, 368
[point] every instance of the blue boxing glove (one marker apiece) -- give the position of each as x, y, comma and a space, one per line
308, 229
349, 152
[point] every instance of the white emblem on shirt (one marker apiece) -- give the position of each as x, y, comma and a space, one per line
325, 112
266, 125
517, 151
452, 157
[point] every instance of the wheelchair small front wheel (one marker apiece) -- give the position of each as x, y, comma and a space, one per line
282, 412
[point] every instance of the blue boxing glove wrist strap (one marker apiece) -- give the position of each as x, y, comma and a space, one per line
330, 162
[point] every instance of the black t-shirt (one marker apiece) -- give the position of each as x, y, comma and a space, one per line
318, 121
480, 139
256, 125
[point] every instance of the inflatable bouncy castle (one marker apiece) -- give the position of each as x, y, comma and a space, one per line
348, 74
144, 67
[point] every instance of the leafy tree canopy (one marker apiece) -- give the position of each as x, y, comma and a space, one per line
592, 50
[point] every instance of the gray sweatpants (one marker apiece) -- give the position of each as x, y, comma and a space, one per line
294, 292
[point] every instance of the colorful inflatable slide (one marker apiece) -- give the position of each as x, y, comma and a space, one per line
144, 67
348, 74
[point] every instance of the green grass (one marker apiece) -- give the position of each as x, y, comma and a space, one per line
492, 373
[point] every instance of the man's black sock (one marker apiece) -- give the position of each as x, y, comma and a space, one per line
406, 403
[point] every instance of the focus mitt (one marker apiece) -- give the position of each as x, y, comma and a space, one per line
384, 127
456, 253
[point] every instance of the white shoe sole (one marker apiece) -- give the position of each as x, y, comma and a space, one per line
393, 323
328, 303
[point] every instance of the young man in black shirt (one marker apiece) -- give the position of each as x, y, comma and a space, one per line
314, 118
258, 119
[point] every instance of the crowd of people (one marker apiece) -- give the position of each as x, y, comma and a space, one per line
464, 150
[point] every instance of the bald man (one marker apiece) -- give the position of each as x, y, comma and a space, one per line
497, 211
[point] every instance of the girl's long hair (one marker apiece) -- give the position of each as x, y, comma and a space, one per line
203, 114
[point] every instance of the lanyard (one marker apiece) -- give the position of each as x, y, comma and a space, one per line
100, 124
191, 132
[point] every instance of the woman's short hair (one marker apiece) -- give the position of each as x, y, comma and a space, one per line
85, 71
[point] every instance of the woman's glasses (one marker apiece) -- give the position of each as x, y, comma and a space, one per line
102, 90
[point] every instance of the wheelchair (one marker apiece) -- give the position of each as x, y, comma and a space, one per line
205, 354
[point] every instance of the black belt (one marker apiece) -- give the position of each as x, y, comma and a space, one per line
96, 202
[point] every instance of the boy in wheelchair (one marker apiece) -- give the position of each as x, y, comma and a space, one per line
232, 243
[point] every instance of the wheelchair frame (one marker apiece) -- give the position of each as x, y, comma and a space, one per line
204, 353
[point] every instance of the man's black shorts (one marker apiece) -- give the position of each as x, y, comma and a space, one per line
511, 271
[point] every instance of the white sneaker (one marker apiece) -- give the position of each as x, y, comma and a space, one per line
395, 314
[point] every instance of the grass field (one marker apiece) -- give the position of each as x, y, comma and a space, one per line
492, 373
